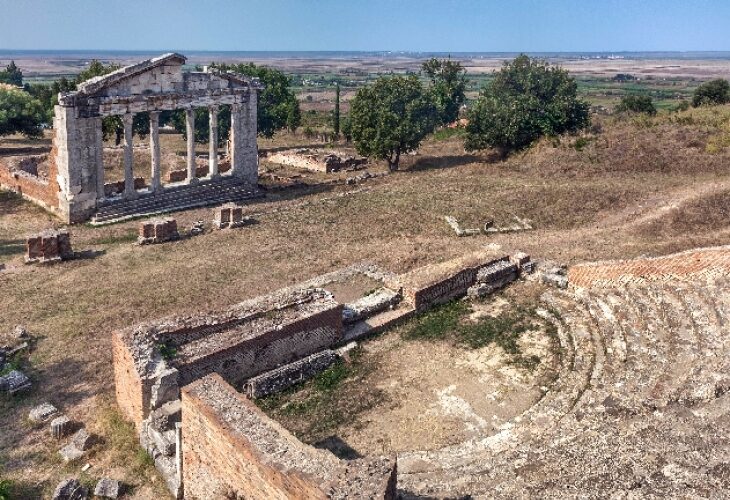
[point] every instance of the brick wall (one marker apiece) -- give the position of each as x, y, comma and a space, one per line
701, 262
42, 191
130, 393
251, 356
230, 447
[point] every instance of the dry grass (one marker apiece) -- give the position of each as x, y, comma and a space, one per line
587, 204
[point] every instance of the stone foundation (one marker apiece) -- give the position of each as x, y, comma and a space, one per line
318, 160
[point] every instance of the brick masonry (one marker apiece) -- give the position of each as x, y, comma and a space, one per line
42, 191
232, 448
692, 264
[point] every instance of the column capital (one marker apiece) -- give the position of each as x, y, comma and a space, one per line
154, 113
127, 118
214, 108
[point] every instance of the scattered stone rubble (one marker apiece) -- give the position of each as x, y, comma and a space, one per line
489, 227
357, 179
77, 447
158, 231
379, 300
318, 160
108, 488
70, 489
42, 413
14, 382
286, 376
49, 246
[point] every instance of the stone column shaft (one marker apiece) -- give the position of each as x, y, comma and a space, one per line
129, 191
190, 129
213, 142
155, 149
100, 162
236, 151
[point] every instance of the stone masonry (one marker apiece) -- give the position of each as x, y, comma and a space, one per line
158, 231
232, 449
151, 86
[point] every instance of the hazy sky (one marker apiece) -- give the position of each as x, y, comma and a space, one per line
414, 25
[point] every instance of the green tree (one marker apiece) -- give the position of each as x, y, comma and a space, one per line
20, 113
712, 93
527, 99
278, 107
447, 86
637, 104
391, 117
12, 75
336, 114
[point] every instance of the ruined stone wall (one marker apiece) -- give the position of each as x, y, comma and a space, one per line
704, 262
268, 350
43, 191
132, 393
230, 447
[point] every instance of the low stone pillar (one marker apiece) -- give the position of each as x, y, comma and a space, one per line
228, 216
190, 137
129, 191
158, 231
48, 246
213, 142
155, 184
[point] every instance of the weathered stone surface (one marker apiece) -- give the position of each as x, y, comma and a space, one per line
60, 426
69, 489
19, 332
288, 375
555, 276
42, 413
318, 160
76, 448
15, 381
379, 300
108, 488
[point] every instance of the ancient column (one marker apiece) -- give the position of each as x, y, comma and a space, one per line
190, 128
129, 191
213, 142
250, 131
100, 161
155, 183
236, 148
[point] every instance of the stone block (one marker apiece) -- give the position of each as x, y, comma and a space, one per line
42, 413
288, 375
82, 440
69, 489
380, 300
60, 426
108, 488
70, 453
228, 216
165, 388
14, 382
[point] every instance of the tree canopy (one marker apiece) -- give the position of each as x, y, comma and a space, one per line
12, 75
447, 86
20, 113
391, 117
637, 104
278, 107
712, 93
527, 99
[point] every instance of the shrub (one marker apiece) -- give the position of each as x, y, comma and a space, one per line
637, 104
712, 93
527, 99
20, 113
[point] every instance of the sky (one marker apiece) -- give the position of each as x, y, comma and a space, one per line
367, 25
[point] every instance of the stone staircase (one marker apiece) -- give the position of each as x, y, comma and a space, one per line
640, 407
174, 198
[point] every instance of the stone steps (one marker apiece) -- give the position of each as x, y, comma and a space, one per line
616, 418
175, 198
